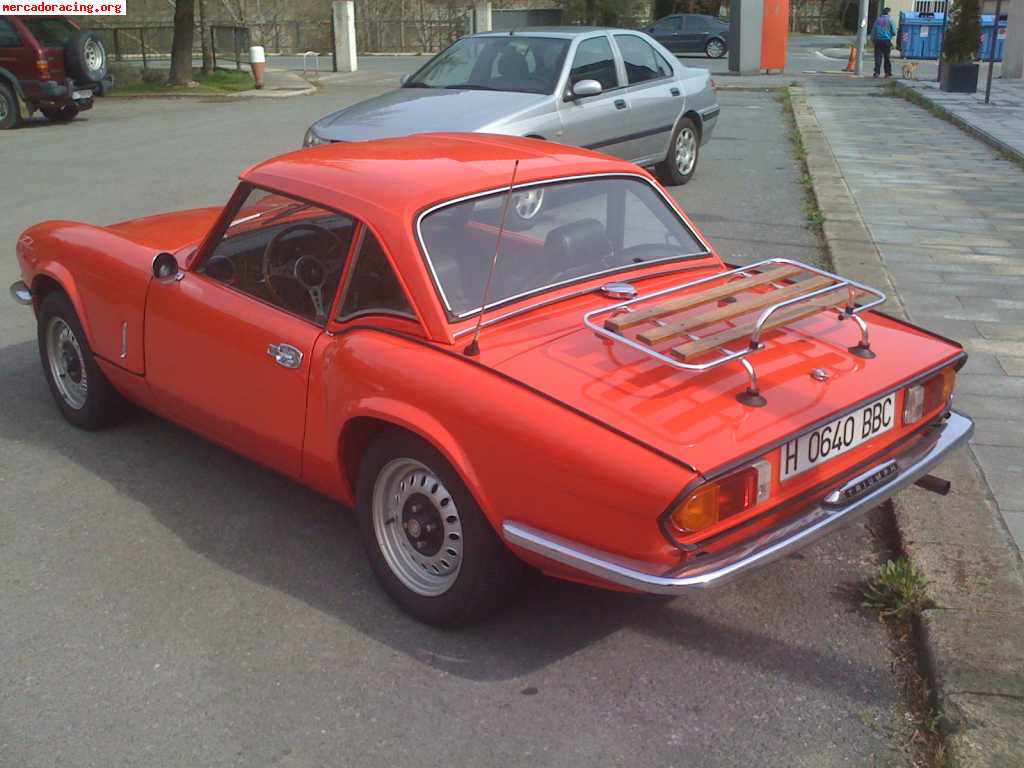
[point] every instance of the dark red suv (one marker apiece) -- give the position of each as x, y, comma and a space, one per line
48, 63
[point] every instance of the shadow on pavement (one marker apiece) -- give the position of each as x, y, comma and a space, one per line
281, 535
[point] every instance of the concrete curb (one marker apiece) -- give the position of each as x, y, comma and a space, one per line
908, 93
970, 646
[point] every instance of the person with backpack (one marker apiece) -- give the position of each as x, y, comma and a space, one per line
883, 33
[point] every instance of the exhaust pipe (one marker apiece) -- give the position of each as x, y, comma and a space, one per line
933, 484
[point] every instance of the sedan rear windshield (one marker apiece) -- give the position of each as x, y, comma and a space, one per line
519, 63
554, 234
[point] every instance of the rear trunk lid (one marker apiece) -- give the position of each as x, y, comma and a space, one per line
695, 416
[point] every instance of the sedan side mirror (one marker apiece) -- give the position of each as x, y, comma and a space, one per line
586, 88
164, 266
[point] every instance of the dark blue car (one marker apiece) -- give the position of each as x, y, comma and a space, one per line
692, 33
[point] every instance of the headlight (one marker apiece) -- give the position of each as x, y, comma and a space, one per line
311, 139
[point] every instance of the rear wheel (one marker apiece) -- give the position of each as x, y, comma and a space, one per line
680, 164
426, 538
78, 386
9, 117
63, 114
715, 48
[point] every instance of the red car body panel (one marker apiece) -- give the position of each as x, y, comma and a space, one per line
549, 425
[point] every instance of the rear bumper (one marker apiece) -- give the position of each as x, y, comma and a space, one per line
709, 119
767, 546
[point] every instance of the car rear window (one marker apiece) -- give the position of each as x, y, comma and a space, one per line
554, 234
51, 33
8, 35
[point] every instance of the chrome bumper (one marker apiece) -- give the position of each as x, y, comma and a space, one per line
21, 293
770, 545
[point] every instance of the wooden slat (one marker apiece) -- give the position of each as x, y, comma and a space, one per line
737, 308
621, 322
782, 317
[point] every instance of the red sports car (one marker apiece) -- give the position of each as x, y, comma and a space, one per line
499, 351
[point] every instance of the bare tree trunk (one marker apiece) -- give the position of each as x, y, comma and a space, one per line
592, 12
181, 46
204, 39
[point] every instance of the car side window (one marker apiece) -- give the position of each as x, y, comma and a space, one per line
669, 25
8, 35
285, 252
641, 60
373, 287
594, 61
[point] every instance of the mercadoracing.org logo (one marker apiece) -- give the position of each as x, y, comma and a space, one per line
64, 9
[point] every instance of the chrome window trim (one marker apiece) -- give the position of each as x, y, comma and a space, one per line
457, 316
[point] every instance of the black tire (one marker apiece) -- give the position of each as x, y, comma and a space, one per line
86, 57
715, 48
101, 405
669, 170
487, 574
62, 114
9, 115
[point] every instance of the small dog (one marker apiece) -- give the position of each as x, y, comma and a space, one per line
910, 70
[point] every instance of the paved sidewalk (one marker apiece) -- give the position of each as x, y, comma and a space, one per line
1000, 122
934, 216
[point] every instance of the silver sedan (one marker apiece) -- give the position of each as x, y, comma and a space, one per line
613, 90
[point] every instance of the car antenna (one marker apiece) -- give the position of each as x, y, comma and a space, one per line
473, 348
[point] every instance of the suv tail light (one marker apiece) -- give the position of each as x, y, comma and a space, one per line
43, 68
928, 396
720, 499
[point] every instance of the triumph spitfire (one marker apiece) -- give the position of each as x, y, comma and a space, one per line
499, 351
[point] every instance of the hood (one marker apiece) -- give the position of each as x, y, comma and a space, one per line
169, 231
426, 110
695, 416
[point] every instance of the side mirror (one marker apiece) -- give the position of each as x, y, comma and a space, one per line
164, 266
586, 88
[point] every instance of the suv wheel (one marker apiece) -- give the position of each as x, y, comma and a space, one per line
9, 117
62, 114
86, 57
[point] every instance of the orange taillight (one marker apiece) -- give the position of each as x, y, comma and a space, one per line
716, 501
928, 396
43, 69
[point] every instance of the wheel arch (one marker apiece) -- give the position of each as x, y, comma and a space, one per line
382, 415
57, 278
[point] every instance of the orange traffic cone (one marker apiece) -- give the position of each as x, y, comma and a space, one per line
851, 64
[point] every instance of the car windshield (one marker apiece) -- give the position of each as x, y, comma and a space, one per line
514, 63
555, 233
51, 33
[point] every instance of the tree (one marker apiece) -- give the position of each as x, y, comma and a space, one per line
181, 45
963, 35
204, 39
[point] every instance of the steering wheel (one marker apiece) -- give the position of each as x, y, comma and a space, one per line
307, 270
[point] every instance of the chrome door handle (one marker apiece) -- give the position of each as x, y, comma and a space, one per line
285, 355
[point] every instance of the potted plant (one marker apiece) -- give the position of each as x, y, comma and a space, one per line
958, 70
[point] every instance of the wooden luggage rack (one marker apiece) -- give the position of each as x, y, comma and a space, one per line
779, 291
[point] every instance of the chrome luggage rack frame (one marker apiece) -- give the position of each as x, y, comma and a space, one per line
752, 396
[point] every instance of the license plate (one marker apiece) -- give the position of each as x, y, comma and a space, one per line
81, 95
837, 437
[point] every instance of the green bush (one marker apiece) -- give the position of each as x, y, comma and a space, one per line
963, 35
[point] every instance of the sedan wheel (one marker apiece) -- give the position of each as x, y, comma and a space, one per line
680, 164
686, 151
715, 48
428, 541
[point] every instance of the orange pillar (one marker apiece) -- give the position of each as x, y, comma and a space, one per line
774, 34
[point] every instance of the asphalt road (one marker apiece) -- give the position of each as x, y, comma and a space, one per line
164, 602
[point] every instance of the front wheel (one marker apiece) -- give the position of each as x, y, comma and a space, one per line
81, 391
62, 114
680, 164
427, 540
715, 48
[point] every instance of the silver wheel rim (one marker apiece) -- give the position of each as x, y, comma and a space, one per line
67, 363
3, 107
714, 49
93, 56
529, 203
686, 151
418, 528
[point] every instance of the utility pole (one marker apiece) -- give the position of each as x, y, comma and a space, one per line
862, 34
